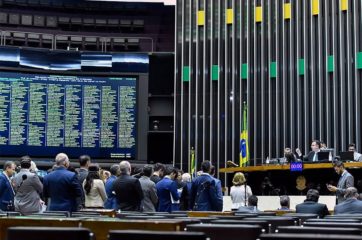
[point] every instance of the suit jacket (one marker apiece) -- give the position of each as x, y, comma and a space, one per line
206, 198
111, 202
150, 197
63, 189
82, 175
165, 189
248, 209
344, 182
6, 192
349, 206
128, 193
310, 156
27, 197
312, 207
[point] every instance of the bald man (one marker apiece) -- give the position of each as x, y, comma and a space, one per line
62, 187
128, 189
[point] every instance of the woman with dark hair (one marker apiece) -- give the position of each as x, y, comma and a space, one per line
94, 190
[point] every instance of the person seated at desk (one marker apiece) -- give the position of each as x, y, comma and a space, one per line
284, 203
356, 156
351, 205
311, 205
313, 155
288, 156
252, 206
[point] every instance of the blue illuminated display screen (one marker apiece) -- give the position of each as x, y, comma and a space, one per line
296, 166
42, 115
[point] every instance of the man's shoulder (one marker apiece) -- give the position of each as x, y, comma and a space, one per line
60, 173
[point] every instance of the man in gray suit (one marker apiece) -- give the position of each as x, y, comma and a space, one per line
150, 198
28, 189
345, 181
351, 205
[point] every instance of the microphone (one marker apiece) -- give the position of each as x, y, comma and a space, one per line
24, 177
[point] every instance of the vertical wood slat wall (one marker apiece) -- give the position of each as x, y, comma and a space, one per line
296, 63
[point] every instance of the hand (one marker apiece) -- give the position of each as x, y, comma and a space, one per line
298, 152
331, 188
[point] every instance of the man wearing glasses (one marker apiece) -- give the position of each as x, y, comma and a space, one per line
356, 156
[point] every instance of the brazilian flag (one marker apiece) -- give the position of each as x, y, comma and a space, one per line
244, 150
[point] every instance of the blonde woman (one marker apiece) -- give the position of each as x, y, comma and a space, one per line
240, 192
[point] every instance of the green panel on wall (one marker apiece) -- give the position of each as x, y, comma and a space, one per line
215, 72
330, 64
301, 66
244, 71
273, 69
186, 74
359, 60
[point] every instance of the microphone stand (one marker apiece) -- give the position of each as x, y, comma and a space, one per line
245, 193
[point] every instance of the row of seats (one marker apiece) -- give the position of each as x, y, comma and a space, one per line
71, 4
221, 227
69, 23
85, 43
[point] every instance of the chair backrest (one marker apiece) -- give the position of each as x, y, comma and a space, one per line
65, 213
344, 216
263, 224
151, 235
144, 217
336, 220
267, 213
245, 215
228, 217
227, 231
12, 214
86, 214
333, 224
302, 217
46, 233
319, 230
306, 236
202, 219
276, 221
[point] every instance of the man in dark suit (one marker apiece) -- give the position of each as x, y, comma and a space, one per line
167, 190
62, 186
311, 204
316, 148
345, 181
351, 205
159, 171
6, 188
252, 206
128, 189
206, 194
84, 162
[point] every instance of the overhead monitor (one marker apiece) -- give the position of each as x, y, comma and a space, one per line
44, 114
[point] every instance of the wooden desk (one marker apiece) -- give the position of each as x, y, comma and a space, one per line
104, 212
286, 167
207, 214
35, 221
100, 228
